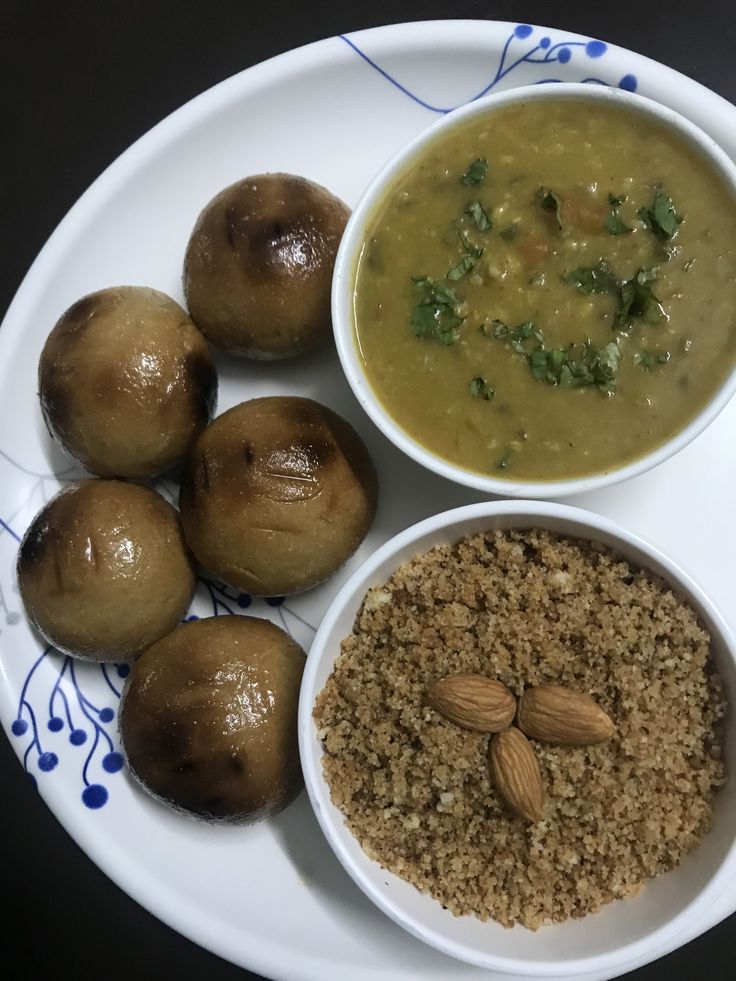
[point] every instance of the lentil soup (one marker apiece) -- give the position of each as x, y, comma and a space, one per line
549, 290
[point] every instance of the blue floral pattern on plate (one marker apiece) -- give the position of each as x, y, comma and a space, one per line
537, 51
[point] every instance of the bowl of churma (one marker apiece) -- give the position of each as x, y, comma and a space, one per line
516, 735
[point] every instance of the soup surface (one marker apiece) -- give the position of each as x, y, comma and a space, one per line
549, 291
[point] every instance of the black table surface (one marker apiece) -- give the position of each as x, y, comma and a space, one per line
79, 82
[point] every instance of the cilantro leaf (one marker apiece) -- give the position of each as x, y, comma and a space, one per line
479, 388
636, 298
549, 201
428, 321
471, 249
515, 337
612, 223
476, 172
538, 363
464, 266
436, 313
496, 328
574, 366
647, 275
472, 254
606, 361
577, 366
443, 295
614, 226
480, 216
423, 319
660, 217
638, 301
599, 278
522, 333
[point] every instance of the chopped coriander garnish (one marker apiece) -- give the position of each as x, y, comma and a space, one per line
479, 388
583, 365
428, 321
605, 366
614, 226
549, 201
476, 172
599, 278
510, 232
546, 365
496, 328
650, 359
480, 216
577, 366
660, 217
464, 266
443, 294
522, 333
647, 275
612, 223
472, 254
471, 249
436, 313
637, 300
515, 337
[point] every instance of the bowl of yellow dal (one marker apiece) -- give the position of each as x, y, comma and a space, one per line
537, 295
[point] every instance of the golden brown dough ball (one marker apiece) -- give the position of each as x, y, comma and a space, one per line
126, 382
104, 570
276, 494
258, 267
209, 718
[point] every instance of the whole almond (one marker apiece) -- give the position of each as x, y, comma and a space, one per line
473, 701
560, 715
516, 772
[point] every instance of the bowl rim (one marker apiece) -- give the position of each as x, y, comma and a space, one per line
352, 240
625, 957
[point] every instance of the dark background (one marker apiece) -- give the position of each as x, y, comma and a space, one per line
79, 82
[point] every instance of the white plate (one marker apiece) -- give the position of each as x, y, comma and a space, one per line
333, 112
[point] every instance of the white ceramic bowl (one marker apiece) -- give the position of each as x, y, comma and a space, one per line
625, 933
343, 284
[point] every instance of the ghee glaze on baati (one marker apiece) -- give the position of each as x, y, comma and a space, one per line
208, 718
126, 382
258, 266
104, 570
276, 494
